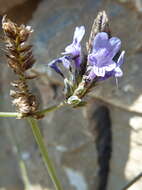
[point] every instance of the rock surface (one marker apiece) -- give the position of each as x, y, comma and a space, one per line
6, 5
65, 132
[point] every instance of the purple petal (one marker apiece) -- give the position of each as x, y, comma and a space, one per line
106, 71
77, 61
75, 48
99, 71
54, 66
111, 66
66, 61
117, 72
100, 41
114, 46
109, 46
91, 75
78, 34
99, 58
92, 59
72, 49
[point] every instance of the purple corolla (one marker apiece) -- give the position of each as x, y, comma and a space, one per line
72, 52
74, 48
100, 61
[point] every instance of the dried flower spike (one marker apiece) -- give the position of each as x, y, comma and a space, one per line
101, 24
20, 59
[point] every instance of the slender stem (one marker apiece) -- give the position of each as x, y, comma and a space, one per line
44, 153
24, 175
9, 114
50, 109
42, 112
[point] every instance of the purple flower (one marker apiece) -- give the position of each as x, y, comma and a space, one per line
101, 63
55, 64
72, 52
74, 49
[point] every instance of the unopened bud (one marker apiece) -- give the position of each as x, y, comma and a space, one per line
73, 100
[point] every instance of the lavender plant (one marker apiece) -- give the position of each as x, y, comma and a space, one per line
83, 72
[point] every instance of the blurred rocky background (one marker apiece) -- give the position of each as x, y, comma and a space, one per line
66, 131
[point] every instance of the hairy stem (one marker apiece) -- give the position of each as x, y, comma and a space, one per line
44, 153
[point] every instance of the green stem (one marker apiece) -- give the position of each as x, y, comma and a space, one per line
42, 112
44, 153
9, 114
50, 109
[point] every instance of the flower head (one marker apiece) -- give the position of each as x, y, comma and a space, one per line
100, 61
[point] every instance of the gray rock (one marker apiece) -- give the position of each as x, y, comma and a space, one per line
65, 131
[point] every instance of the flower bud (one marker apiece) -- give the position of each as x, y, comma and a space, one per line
74, 100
